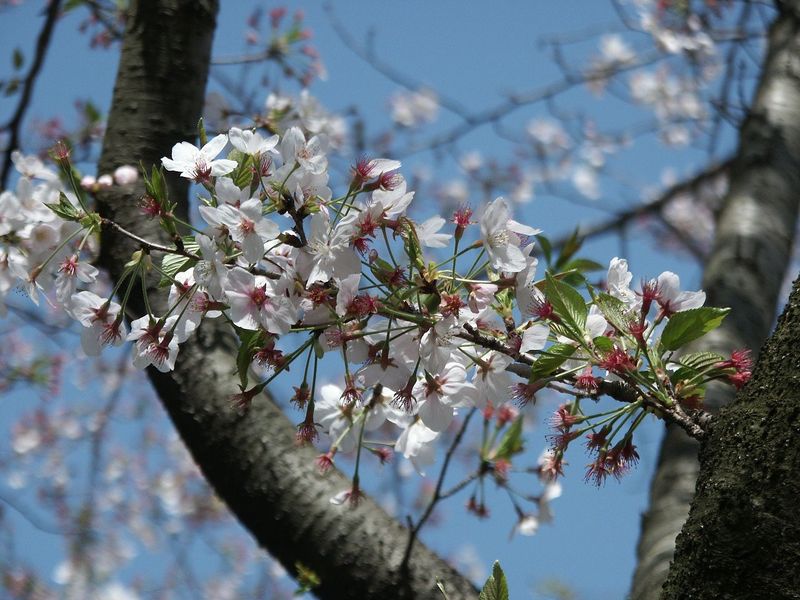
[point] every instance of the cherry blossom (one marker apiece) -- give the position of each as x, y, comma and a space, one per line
501, 237
101, 320
439, 393
255, 302
251, 142
200, 164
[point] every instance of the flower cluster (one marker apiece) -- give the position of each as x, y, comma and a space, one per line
282, 257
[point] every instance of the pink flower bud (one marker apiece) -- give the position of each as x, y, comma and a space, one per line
125, 175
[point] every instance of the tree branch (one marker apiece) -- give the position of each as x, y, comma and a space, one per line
15, 123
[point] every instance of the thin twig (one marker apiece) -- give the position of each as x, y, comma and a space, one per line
437, 494
620, 220
15, 123
146, 244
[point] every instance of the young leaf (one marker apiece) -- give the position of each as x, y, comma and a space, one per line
550, 360
547, 248
567, 302
603, 343
614, 310
511, 443
583, 265
700, 360
307, 579
243, 174
688, 325
495, 587
244, 357
172, 264
568, 250
17, 59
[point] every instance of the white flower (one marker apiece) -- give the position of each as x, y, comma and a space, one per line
199, 164
501, 239
481, 295
255, 302
70, 271
210, 273
348, 290
338, 422
527, 525
615, 50
303, 185
309, 154
428, 233
438, 394
393, 202
411, 109
156, 344
190, 304
32, 167
246, 225
618, 282
99, 318
330, 251
584, 178
228, 193
671, 299
435, 344
534, 337
491, 379
416, 444
251, 142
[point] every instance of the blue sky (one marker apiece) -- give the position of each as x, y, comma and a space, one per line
475, 53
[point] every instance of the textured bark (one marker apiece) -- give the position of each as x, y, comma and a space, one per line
251, 460
745, 270
742, 538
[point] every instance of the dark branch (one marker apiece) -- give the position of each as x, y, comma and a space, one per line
15, 123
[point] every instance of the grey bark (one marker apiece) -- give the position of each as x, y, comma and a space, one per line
742, 538
250, 460
751, 253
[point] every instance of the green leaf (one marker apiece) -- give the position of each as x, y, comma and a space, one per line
550, 360
583, 265
307, 579
172, 264
683, 374
603, 343
244, 357
567, 302
700, 360
242, 175
511, 443
64, 208
201, 132
688, 325
412, 246
615, 311
495, 587
92, 113
568, 250
17, 59
71, 5
547, 248
11, 87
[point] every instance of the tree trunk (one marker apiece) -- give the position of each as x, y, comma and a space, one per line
251, 460
751, 252
742, 538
